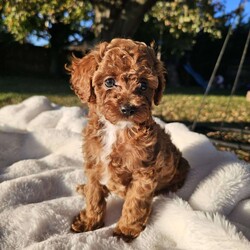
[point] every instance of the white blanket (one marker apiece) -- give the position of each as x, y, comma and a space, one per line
41, 164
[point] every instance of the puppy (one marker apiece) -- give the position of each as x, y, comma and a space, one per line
125, 151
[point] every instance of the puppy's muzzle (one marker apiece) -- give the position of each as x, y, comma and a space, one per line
128, 109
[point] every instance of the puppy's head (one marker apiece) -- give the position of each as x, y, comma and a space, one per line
122, 79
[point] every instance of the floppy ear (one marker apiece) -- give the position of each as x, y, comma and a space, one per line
160, 70
82, 71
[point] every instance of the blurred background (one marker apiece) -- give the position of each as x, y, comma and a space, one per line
38, 37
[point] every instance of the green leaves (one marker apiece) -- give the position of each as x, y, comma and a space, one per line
183, 20
22, 17
180, 17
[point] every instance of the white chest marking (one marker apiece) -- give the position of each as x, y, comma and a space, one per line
109, 136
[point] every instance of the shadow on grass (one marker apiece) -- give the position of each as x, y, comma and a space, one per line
35, 86
203, 127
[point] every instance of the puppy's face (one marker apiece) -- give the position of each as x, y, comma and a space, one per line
122, 78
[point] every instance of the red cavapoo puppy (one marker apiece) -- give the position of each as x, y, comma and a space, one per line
125, 151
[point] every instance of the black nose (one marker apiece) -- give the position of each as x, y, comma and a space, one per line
128, 109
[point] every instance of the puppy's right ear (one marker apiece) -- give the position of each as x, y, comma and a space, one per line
82, 71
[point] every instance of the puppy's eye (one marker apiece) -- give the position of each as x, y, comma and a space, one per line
109, 82
143, 86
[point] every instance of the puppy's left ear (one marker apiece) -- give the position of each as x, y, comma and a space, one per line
160, 71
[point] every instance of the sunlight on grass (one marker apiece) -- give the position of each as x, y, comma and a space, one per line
14, 98
185, 108
17, 89
11, 98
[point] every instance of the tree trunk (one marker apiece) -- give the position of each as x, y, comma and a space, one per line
119, 18
59, 33
54, 68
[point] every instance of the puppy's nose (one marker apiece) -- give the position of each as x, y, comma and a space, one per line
128, 109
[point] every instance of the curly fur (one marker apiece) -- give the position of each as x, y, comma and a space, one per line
129, 155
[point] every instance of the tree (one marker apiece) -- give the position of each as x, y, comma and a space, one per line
119, 18
123, 17
51, 19
111, 18
179, 20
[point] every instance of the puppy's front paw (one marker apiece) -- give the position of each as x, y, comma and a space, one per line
127, 233
82, 223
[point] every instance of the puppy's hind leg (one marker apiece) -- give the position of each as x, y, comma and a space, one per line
180, 175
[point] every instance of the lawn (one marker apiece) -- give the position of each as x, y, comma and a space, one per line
178, 103
15, 89
184, 107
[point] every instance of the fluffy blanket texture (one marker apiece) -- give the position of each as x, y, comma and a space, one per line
41, 164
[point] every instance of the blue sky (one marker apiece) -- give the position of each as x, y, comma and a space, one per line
230, 6
233, 4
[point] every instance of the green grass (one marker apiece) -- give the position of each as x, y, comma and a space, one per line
184, 107
16, 89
